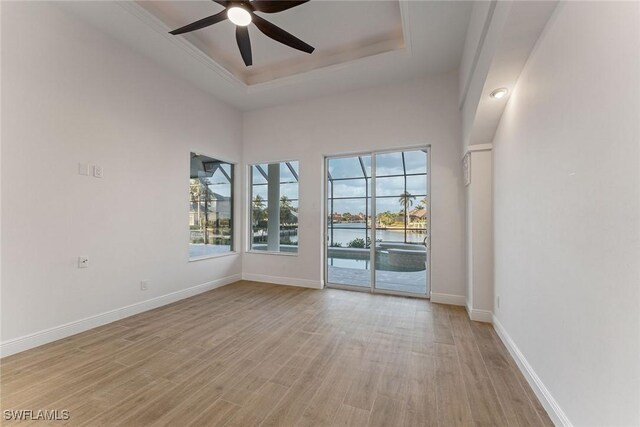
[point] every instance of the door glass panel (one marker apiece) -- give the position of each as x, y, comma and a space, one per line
350, 188
346, 167
349, 221
415, 161
401, 223
417, 186
389, 164
390, 186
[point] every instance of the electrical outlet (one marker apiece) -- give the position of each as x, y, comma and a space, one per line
97, 171
144, 285
83, 169
83, 262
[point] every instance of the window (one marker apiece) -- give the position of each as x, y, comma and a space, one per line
274, 207
210, 207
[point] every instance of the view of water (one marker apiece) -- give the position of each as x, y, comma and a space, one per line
346, 232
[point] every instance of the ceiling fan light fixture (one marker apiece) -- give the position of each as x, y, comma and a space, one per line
239, 16
240, 13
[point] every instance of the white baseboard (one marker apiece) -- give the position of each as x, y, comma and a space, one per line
449, 299
556, 413
478, 315
303, 283
27, 342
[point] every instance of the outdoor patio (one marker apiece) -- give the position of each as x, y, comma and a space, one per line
406, 281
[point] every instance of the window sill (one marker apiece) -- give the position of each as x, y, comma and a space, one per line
202, 258
293, 254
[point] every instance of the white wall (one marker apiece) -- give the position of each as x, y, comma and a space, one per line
70, 95
418, 112
567, 212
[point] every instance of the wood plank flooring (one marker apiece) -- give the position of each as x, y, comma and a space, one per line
253, 354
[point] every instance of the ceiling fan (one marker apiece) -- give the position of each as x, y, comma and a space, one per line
241, 13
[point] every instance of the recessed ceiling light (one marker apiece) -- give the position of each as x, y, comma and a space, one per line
239, 16
499, 93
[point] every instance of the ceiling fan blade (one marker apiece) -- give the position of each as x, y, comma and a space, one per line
273, 6
204, 22
280, 35
224, 3
244, 44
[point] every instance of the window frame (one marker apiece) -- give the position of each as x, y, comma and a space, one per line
249, 211
234, 244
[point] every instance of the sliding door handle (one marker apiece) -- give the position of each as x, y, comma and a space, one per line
427, 241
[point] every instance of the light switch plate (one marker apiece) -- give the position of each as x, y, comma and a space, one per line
83, 169
97, 171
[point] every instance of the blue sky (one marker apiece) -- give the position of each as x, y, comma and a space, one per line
386, 164
349, 167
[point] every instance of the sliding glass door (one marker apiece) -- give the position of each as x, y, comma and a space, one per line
378, 222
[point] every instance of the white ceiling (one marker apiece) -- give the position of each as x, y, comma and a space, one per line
358, 43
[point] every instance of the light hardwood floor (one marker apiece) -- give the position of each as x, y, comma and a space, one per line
253, 354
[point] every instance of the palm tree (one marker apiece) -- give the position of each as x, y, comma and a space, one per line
258, 201
286, 210
406, 200
258, 208
285, 202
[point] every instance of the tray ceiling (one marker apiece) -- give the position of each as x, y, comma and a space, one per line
341, 31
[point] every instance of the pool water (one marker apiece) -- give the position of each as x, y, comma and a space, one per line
364, 264
359, 264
